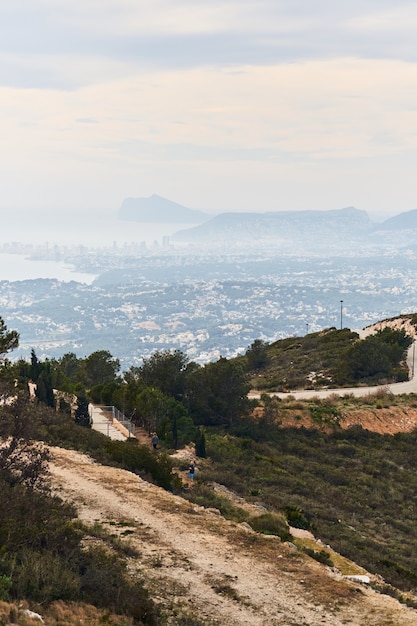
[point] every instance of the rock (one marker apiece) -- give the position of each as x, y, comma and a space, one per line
33, 615
359, 578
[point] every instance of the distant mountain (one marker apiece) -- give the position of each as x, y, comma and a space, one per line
402, 221
281, 226
157, 209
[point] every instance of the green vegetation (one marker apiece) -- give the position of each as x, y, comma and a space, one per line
378, 357
167, 394
330, 358
271, 524
355, 489
43, 553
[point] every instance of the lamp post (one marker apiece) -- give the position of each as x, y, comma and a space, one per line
341, 315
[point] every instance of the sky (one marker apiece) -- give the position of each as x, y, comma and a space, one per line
231, 105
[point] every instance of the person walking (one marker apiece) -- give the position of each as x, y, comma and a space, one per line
155, 441
192, 470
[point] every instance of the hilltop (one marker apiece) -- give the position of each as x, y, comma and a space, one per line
326, 359
157, 209
282, 226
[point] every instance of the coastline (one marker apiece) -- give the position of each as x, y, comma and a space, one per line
17, 267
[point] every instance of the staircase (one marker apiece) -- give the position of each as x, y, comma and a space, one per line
111, 422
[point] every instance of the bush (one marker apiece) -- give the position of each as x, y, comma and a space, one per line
143, 461
5, 586
271, 524
105, 584
297, 518
200, 444
44, 577
321, 556
204, 495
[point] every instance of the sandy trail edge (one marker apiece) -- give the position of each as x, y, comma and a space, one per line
195, 562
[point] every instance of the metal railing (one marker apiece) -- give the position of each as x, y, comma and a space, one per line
113, 414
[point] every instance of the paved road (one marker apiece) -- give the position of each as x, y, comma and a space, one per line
410, 386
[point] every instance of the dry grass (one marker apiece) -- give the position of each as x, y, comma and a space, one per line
60, 614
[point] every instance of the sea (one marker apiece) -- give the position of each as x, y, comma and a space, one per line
93, 229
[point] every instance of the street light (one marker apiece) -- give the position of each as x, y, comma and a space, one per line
341, 314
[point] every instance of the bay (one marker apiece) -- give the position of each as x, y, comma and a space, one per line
16, 267
26, 233
92, 229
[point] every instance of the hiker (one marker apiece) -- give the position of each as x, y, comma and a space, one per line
192, 470
155, 441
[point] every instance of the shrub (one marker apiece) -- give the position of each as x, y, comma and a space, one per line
271, 524
105, 583
44, 577
321, 556
297, 518
200, 444
204, 495
5, 586
143, 461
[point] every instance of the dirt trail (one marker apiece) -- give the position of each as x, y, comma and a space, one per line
198, 564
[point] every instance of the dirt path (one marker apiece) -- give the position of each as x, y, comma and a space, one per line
198, 564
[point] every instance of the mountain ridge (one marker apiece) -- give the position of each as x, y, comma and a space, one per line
280, 225
154, 209
344, 224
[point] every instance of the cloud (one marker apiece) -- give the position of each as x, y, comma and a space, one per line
293, 118
67, 44
247, 101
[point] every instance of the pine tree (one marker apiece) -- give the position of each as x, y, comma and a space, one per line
200, 444
82, 415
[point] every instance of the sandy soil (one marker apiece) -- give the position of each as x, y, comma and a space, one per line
199, 565
383, 421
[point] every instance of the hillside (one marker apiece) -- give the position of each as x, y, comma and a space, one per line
238, 544
281, 226
202, 569
320, 360
157, 209
407, 220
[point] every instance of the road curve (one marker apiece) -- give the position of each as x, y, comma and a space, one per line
409, 386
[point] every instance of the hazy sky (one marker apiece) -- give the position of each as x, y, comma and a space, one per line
231, 105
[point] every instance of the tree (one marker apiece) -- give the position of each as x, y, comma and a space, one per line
100, 368
166, 371
271, 413
82, 414
35, 366
376, 357
132, 386
166, 416
151, 406
200, 444
176, 427
9, 340
257, 355
70, 366
217, 393
44, 390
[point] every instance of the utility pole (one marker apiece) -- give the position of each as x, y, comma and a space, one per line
341, 315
